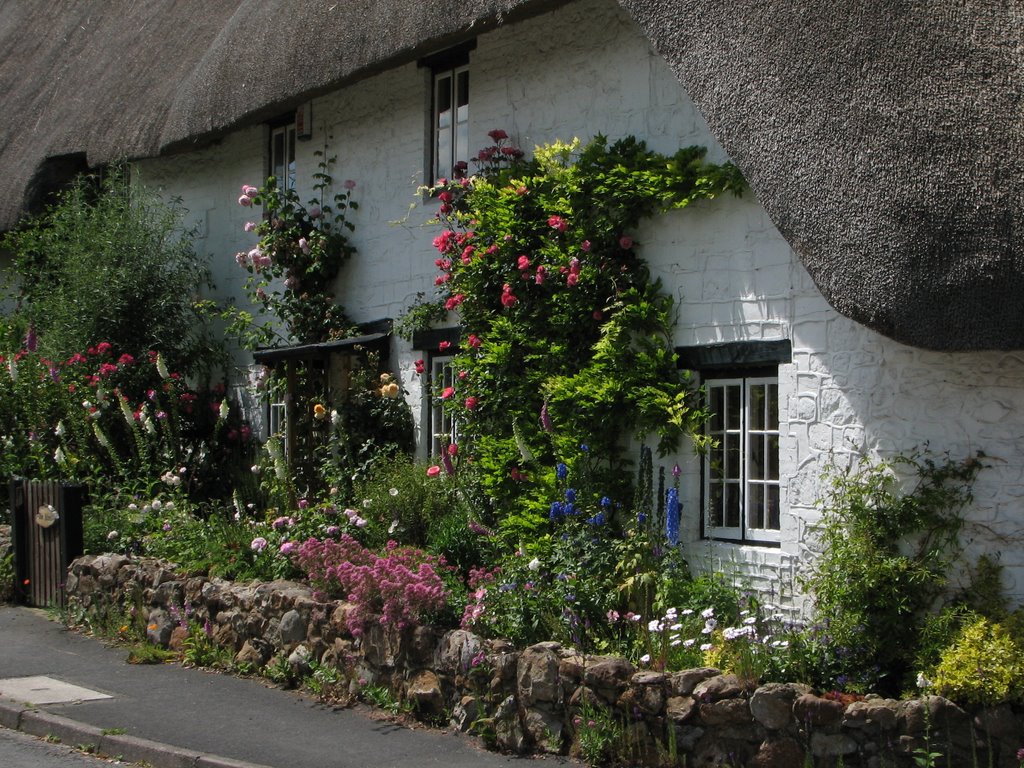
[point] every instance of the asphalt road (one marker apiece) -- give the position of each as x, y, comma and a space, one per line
20, 751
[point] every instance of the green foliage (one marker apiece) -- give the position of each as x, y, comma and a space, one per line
6, 576
566, 339
600, 737
292, 270
111, 261
985, 664
885, 557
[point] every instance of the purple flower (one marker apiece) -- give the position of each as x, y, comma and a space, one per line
288, 547
545, 418
258, 544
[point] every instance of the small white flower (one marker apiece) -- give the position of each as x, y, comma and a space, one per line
255, 469
534, 565
707, 613
169, 505
706, 647
393, 527
654, 626
393, 491
367, 503
689, 643
750, 620
645, 659
59, 431
112, 536
133, 506
687, 612
156, 505
923, 682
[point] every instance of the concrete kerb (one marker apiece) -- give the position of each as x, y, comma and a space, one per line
27, 719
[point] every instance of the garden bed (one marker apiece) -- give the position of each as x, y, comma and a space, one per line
543, 698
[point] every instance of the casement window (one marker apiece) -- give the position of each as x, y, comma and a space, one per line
741, 470
740, 489
444, 429
282, 155
449, 110
451, 120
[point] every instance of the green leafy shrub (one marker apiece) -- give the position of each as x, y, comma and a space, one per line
886, 555
985, 665
111, 262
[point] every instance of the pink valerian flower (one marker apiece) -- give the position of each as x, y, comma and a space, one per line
471, 403
557, 222
625, 242
433, 471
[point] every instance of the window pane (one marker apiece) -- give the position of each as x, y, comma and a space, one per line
732, 505
716, 457
773, 406
755, 465
716, 406
462, 118
755, 506
773, 507
755, 415
732, 456
277, 157
443, 126
773, 457
290, 181
715, 505
732, 408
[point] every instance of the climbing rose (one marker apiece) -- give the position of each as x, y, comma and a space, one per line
497, 134
474, 341
557, 222
245, 201
249, 189
625, 242
433, 471
420, 366
472, 402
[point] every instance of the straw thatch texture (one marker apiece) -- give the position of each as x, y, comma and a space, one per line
884, 137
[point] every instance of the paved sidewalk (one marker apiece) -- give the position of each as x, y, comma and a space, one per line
173, 717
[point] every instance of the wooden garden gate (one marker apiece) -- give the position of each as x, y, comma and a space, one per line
46, 518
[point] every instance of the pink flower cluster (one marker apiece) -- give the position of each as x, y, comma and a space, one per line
401, 587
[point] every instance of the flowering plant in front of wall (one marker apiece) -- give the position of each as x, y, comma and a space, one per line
566, 335
292, 268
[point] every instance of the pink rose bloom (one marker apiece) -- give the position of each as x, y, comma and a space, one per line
453, 449
523, 262
349, 184
471, 403
245, 201
242, 259
420, 366
497, 134
474, 341
258, 544
573, 278
539, 278
585, 246
443, 345
288, 547
433, 471
249, 226
463, 375
557, 222
303, 245
315, 212
291, 283
448, 393
625, 242
249, 190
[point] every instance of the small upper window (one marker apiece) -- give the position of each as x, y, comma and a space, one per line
451, 120
282, 155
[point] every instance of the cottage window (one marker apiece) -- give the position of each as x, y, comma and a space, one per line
443, 427
741, 470
282, 155
451, 120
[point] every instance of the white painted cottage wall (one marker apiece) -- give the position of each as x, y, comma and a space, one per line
586, 69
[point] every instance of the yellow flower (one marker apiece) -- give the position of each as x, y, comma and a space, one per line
319, 412
390, 390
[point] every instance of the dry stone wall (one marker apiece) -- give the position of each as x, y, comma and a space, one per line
538, 699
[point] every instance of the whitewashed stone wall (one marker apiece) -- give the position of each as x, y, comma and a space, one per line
585, 69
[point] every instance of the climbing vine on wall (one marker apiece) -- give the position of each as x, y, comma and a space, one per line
566, 337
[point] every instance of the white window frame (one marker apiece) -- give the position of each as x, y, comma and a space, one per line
752, 523
282, 155
454, 121
444, 429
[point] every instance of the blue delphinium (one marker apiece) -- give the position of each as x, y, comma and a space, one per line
672, 516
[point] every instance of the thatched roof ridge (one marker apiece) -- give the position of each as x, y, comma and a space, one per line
883, 137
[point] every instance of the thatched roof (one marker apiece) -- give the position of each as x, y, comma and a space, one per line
883, 137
